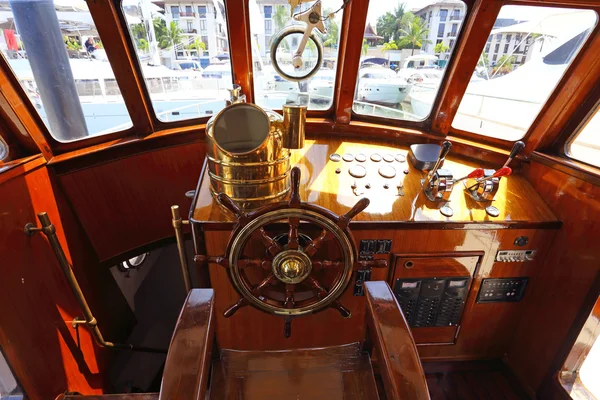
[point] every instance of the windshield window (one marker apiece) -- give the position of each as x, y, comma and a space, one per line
164, 36
271, 89
406, 45
532, 47
58, 57
586, 144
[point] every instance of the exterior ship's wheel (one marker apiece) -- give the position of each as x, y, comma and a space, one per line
291, 278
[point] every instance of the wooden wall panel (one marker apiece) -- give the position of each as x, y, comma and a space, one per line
566, 277
45, 352
125, 203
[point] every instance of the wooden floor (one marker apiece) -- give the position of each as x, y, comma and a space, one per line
472, 380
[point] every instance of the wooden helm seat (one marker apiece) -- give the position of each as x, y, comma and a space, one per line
338, 372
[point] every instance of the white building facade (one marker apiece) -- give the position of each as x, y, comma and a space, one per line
504, 42
443, 19
203, 19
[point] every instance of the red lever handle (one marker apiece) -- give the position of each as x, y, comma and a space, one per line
504, 171
476, 173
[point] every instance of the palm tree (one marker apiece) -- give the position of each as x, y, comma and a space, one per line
280, 17
197, 44
504, 65
391, 45
441, 47
415, 34
174, 33
388, 24
333, 31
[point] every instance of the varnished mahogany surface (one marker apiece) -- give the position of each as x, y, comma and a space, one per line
124, 204
330, 373
188, 361
397, 355
566, 278
46, 354
518, 203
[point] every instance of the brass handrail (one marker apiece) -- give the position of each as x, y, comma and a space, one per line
50, 231
178, 226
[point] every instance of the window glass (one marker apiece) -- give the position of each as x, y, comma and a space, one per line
3, 149
509, 88
586, 144
55, 52
184, 55
9, 387
408, 52
273, 90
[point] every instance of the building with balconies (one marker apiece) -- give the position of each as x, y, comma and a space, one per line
443, 20
202, 19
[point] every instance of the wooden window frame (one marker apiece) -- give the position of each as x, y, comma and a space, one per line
558, 112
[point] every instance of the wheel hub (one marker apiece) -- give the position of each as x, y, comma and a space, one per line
291, 266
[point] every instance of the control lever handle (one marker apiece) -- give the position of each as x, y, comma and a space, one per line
504, 171
475, 174
443, 153
517, 147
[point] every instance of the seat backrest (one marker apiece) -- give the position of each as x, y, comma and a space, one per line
390, 336
188, 361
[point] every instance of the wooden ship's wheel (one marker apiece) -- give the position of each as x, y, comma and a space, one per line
292, 279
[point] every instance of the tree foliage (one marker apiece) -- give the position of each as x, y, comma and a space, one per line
391, 45
504, 65
389, 24
330, 39
415, 34
281, 17
365, 47
441, 47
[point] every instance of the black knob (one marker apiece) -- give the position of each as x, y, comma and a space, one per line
521, 241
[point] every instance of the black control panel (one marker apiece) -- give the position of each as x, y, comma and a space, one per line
432, 302
495, 290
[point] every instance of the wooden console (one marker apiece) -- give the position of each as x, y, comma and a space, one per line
418, 231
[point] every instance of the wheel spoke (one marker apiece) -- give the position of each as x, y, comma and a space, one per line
293, 243
231, 310
322, 292
251, 262
272, 247
326, 264
289, 296
269, 280
315, 244
314, 284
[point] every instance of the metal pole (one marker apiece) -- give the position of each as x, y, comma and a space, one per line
50, 231
185, 270
38, 25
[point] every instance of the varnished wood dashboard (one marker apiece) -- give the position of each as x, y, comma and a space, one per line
464, 244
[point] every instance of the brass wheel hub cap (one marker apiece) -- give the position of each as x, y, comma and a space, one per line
291, 266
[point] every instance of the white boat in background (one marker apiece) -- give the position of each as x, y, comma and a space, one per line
506, 106
419, 64
379, 85
320, 86
175, 94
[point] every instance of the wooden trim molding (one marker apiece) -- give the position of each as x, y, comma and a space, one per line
357, 18
480, 20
